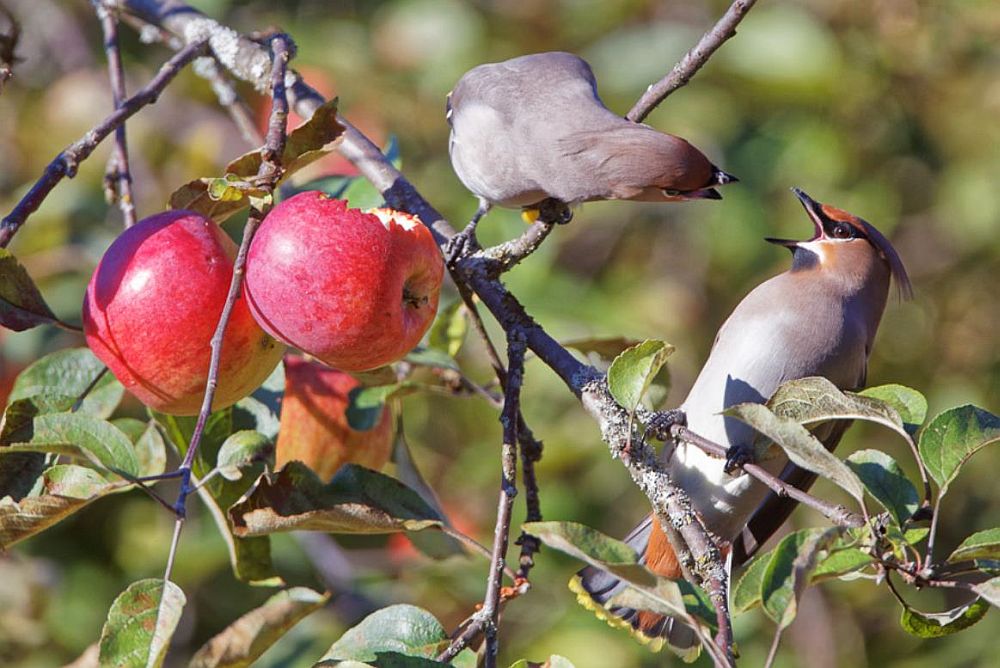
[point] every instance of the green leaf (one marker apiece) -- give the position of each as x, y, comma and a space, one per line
357, 500
261, 411
953, 437
940, 624
910, 404
304, 144
21, 304
77, 482
80, 436
980, 545
788, 571
801, 446
398, 629
240, 643
366, 404
593, 548
242, 449
58, 379
140, 624
29, 516
665, 598
423, 356
746, 594
840, 563
989, 590
885, 481
447, 334
632, 371
249, 557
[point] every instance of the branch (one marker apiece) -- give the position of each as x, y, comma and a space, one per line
836, 513
692, 61
509, 253
66, 163
118, 176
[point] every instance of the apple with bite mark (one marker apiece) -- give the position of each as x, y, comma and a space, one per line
354, 289
152, 307
314, 428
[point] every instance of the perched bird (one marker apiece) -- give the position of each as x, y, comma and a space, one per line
819, 318
532, 131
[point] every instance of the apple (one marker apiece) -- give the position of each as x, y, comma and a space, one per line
152, 307
314, 428
354, 289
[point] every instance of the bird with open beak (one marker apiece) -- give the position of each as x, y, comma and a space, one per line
532, 133
819, 318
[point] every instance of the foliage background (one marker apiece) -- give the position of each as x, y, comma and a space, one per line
889, 109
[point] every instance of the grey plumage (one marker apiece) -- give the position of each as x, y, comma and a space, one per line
534, 128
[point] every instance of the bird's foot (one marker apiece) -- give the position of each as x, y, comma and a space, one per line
462, 245
659, 425
554, 211
737, 456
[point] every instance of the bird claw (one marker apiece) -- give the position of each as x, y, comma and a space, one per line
554, 211
659, 425
737, 456
461, 245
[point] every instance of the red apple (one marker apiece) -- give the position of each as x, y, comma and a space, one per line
153, 304
356, 290
314, 428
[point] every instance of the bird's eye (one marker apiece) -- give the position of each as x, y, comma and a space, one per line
842, 231
671, 193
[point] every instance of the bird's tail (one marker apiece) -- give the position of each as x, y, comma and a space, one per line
595, 589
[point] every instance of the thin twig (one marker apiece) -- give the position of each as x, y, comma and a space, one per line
118, 176
692, 61
268, 175
509, 253
65, 164
773, 652
834, 512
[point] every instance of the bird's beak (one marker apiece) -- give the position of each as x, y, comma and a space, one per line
787, 243
815, 211
721, 178
704, 193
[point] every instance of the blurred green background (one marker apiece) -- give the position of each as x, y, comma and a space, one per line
889, 109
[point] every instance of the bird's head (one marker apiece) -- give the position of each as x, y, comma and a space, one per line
845, 244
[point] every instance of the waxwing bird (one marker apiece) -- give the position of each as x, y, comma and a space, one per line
819, 318
532, 130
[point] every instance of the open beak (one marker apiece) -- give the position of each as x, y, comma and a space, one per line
812, 207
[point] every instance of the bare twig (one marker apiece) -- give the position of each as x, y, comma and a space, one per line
836, 513
118, 176
66, 163
692, 61
268, 175
508, 254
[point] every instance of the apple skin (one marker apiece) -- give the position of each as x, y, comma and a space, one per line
355, 290
314, 427
152, 307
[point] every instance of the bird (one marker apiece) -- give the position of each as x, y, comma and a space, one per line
818, 318
532, 133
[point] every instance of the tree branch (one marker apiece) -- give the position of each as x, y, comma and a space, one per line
118, 176
692, 61
65, 164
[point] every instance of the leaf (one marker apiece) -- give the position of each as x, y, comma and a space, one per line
250, 557
788, 570
940, 624
989, 590
357, 500
242, 449
839, 563
885, 481
663, 599
240, 643
304, 145
632, 371
433, 544
21, 304
366, 404
593, 548
801, 446
140, 624
816, 399
606, 348
910, 404
58, 379
980, 545
953, 437
77, 482
27, 517
83, 437
400, 629
746, 594
261, 411
423, 356
447, 334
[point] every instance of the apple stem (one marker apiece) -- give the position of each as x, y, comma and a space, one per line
268, 174
118, 175
65, 164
